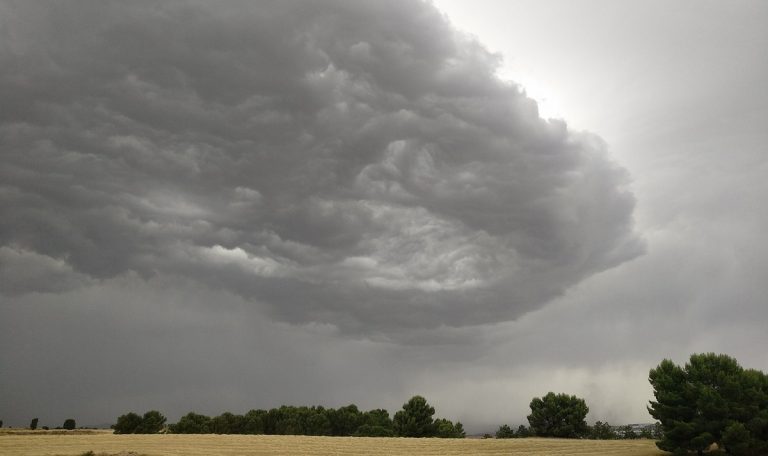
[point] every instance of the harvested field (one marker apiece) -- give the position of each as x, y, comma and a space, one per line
105, 443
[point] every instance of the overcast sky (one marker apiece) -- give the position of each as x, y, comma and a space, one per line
218, 206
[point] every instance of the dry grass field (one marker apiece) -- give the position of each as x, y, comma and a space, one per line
105, 443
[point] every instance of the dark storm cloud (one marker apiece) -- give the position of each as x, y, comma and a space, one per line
351, 163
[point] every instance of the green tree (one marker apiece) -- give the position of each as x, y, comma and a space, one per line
345, 420
602, 431
127, 424
192, 423
318, 421
458, 431
523, 431
151, 423
558, 415
505, 432
378, 417
368, 430
657, 431
33, 424
254, 422
415, 419
447, 430
69, 424
228, 423
711, 399
737, 438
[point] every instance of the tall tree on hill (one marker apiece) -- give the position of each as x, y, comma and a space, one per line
69, 424
33, 424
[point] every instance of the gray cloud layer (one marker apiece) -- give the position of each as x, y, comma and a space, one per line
143, 145
351, 163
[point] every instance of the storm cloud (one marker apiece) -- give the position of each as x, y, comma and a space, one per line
357, 164
217, 206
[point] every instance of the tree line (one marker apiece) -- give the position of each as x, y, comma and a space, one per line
414, 420
599, 431
564, 416
710, 402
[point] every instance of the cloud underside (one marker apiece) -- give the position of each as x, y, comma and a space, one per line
352, 163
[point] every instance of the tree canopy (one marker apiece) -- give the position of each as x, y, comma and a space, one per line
505, 432
151, 423
415, 419
558, 415
192, 423
711, 399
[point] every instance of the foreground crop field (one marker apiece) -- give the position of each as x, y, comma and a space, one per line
213, 445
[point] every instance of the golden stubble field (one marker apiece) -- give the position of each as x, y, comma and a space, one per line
69, 444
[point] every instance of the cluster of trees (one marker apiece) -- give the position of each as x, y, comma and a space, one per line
553, 415
151, 423
600, 431
564, 416
710, 400
414, 420
506, 432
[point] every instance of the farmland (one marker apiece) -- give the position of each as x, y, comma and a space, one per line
71, 444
